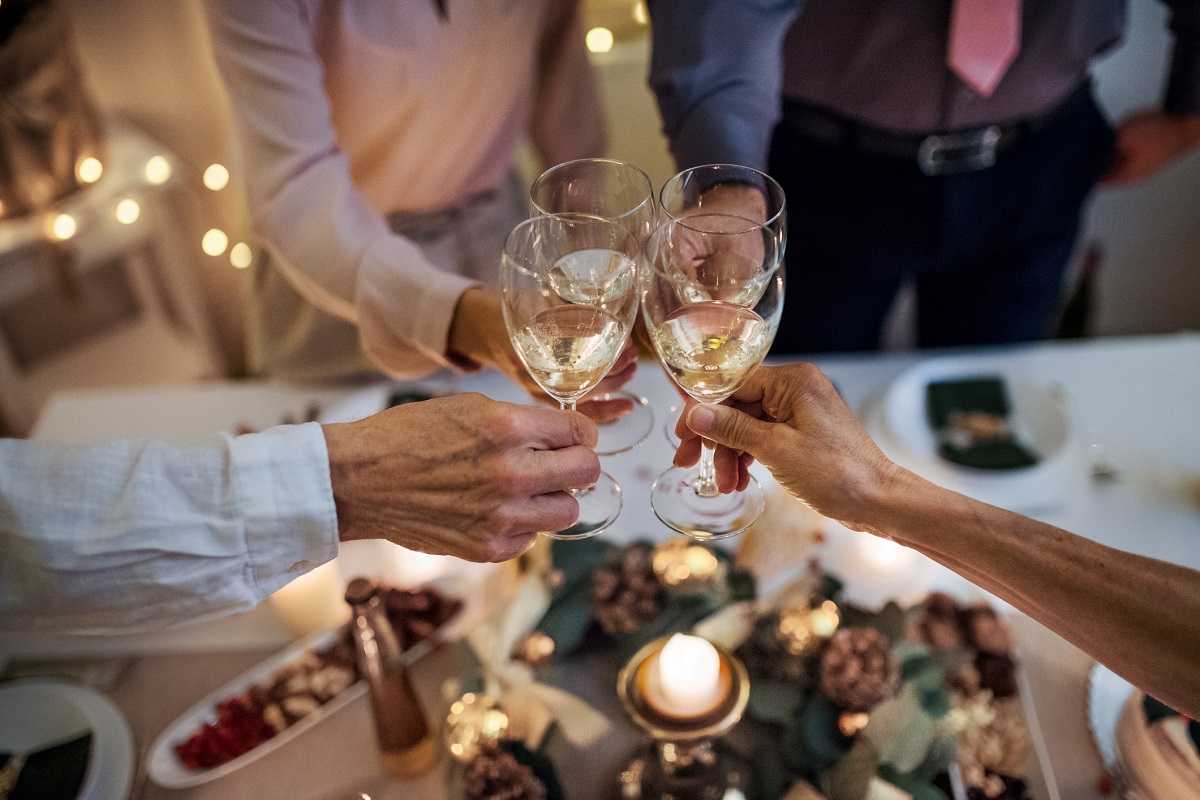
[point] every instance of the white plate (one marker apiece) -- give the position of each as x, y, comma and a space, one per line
38, 712
1107, 695
374, 399
164, 767
900, 426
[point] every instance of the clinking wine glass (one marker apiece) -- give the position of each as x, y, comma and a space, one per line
723, 189
712, 295
618, 192
569, 289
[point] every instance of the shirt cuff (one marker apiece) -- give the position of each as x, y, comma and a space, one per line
285, 498
413, 342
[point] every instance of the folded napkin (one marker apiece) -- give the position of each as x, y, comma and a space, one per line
53, 773
971, 418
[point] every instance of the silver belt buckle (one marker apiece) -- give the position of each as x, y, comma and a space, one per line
952, 153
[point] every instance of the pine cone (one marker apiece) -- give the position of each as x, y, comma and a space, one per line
625, 592
986, 632
938, 626
858, 669
495, 774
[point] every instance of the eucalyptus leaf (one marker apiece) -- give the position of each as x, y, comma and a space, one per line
741, 586
814, 743
774, 701
900, 730
679, 615
850, 777
577, 559
916, 785
542, 766
831, 587
568, 618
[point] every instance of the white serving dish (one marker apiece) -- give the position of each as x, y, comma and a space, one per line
164, 767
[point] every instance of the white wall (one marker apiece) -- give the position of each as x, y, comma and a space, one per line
1150, 234
150, 61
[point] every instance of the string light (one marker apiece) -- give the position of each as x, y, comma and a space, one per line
158, 170
240, 255
216, 177
599, 40
89, 170
128, 211
214, 242
63, 227
640, 16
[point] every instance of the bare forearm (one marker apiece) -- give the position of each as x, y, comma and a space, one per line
1139, 616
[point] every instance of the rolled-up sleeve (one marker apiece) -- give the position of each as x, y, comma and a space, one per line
335, 248
136, 533
716, 70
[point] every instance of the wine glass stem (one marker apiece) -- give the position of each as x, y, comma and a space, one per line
705, 482
569, 405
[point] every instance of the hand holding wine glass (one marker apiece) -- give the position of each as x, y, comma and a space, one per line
570, 296
622, 193
711, 326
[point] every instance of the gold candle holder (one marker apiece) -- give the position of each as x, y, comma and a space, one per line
686, 757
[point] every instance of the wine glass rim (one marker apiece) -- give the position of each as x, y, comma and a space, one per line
766, 178
650, 198
514, 263
652, 264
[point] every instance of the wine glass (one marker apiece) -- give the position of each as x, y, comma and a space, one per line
712, 295
619, 192
569, 289
692, 192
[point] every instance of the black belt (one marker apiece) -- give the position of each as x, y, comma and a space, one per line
965, 150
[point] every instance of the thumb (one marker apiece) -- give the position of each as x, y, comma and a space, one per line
730, 427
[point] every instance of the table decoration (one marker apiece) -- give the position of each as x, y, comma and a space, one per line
686, 694
856, 703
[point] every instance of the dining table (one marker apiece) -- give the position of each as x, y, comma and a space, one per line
1133, 407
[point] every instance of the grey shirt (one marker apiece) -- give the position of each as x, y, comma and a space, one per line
720, 67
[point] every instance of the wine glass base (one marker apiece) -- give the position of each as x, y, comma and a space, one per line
627, 432
676, 503
599, 507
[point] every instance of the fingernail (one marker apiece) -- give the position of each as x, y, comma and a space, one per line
701, 419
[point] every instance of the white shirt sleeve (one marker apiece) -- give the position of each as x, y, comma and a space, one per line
335, 248
134, 533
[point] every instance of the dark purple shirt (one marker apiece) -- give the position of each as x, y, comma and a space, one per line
719, 67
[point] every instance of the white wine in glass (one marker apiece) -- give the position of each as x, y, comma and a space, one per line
569, 289
618, 192
712, 296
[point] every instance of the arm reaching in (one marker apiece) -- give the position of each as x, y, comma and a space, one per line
460, 475
1139, 616
136, 533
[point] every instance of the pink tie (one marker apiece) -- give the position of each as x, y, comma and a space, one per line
984, 38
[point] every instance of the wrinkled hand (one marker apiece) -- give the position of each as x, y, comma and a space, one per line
478, 334
793, 421
1147, 141
460, 475
716, 249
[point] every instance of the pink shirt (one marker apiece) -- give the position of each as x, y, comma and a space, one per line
349, 110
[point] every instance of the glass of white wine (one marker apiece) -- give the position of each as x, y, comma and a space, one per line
712, 295
619, 192
569, 288
723, 189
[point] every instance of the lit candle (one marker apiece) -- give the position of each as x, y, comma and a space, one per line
885, 556
685, 679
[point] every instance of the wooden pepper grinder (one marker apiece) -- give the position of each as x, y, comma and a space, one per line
407, 748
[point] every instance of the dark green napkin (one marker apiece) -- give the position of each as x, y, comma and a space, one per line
55, 773
972, 420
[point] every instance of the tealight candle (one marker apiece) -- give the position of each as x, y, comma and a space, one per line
685, 679
885, 556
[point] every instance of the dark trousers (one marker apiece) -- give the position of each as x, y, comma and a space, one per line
986, 250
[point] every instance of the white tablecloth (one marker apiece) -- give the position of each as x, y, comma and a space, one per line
1137, 398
